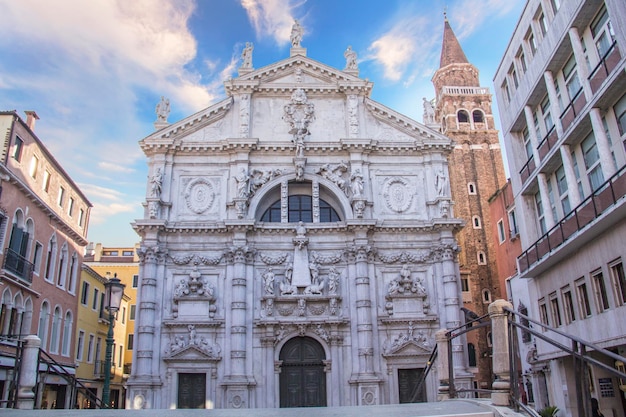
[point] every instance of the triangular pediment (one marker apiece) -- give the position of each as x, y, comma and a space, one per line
300, 71
192, 353
409, 348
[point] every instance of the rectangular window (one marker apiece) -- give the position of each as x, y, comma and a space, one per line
599, 290
620, 114
555, 310
90, 348
34, 165
464, 285
531, 42
81, 217
513, 224
540, 215
568, 305
120, 356
547, 115
528, 146
501, 234
556, 5
591, 156
135, 281
619, 281
127, 253
562, 187
46, 180
541, 21
513, 76
70, 207
551, 199
131, 314
521, 59
131, 341
94, 302
543, 312
505, 91
98, 350
123, 315
583, 298
84, 293
570, 75
37, 257
17, 149
602, 31
80, 345
60, 201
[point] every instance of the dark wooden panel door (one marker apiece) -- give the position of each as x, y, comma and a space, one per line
408, 380
191, 390
302, 377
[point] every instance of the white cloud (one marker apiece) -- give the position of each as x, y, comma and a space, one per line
470, 15
406, 47
272, 18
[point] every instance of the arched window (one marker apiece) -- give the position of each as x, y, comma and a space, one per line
482, 260
62, 272
300, 208
67, 334
27, 317
471, 188
56, 329
42, 330
462, 116
5, 312
50, 258
476, 222
478, 116
73, 273
486, 296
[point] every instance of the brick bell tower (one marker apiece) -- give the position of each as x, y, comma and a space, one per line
462, 111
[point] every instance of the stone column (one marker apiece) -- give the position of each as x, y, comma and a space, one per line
28, 373
603, 143
236, 381
581, 62
500, 338
336, 341
532, 133
554, 102
443, 366
145, 379
366, 380
452, 304
570, 176
545, 201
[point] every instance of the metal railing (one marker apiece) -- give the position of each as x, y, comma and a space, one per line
605, 67
18, 266
605, 197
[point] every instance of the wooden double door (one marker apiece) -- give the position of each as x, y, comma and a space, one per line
302, 376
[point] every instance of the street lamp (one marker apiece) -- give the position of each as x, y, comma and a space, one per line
114, 291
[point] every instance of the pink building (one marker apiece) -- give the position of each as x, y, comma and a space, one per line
43, 229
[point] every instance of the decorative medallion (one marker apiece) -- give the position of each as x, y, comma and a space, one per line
199, 195
397, 195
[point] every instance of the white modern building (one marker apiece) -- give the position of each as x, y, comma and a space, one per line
297, 247
561, 92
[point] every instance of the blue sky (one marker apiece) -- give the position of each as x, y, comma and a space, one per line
95, 70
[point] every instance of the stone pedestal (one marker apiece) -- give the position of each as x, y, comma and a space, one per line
28, 373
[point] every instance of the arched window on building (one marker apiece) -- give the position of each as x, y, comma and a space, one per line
478, 116
471, 188
67, 334
62, 272
462, 116
486, 296
476, 222
50, 259
42, 330
482, 259
56, 330
300, 208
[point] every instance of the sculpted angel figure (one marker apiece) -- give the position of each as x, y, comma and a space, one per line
350, 56
163, 109
296, 34
246, 55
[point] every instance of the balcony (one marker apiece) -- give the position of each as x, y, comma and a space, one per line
19, 266
604, 198
547, 143
528, 168
464, 91
573, 108
99, 368
604, 68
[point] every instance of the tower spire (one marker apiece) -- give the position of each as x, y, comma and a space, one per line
451, 51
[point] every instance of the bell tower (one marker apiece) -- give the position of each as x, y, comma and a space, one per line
462, 110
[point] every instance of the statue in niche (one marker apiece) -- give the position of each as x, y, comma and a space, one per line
356, 184
192, 334
289, 271
315, 273
163, 110
156, 183
441, 183
243, 183
296, 34
350, 56
429, 111
300, 230
246, 55
333, 281
268, 281
418, 286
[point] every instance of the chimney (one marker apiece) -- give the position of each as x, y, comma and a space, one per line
31, 118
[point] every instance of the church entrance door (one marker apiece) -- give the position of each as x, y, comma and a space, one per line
302, 376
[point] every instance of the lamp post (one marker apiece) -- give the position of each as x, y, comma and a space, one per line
114, 290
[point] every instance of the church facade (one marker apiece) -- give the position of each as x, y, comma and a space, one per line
297, 247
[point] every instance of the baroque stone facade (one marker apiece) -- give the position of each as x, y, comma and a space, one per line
299, 249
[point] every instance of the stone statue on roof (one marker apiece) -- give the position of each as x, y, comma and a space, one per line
296, 34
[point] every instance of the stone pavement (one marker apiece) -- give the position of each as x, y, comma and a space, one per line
470, 408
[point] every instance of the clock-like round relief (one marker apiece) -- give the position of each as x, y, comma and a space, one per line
199, 195
397, 195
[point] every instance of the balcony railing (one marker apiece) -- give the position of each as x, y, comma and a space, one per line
547, 143
605, 67
605, 197
573, 108
464, 90
99, 368
18, 265
527, 169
